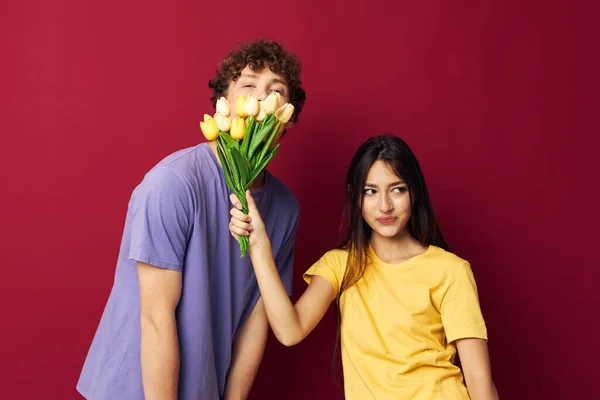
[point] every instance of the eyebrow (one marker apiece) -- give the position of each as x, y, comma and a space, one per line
370, 185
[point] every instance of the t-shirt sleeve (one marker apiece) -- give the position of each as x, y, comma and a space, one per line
460, 309
161, 210
330, 267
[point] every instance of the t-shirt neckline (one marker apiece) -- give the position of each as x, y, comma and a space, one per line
377, 261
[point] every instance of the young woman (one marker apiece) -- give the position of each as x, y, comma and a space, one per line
406, 302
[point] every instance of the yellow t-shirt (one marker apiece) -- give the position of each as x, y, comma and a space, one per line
399, 322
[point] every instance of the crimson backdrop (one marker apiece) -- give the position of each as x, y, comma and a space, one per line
497, 98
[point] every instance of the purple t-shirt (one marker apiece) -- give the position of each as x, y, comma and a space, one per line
178, 219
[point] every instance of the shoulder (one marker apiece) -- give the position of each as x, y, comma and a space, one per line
161, 180
190, 164
181, 171
445, 263
451, 266
283, 202
445, 259
336, 258
330, 266
282, 194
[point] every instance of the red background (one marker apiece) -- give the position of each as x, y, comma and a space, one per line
497, 98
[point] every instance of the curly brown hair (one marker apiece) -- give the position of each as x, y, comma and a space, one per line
256, 54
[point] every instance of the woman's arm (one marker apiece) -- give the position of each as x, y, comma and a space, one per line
290, 323
475, 361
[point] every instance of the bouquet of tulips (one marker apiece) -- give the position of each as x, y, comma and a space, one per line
246, 144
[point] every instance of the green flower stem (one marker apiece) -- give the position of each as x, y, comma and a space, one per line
243, 240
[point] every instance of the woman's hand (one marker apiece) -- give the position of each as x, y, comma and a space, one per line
250, 225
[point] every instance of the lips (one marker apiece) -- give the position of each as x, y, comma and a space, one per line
386, 220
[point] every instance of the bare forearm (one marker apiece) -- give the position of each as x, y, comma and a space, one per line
244, 368
481, 388
247, 353
475, 360
239, 383
280, 311
160, 359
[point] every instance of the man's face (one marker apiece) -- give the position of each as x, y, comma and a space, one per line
258, 83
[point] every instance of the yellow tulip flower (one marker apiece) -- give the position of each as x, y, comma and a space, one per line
284, 113
262, 113
271, 103
251, 107
238, 128
223, 107
223, 122
209, 128
240, 106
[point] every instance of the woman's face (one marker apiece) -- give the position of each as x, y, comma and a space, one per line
385, 201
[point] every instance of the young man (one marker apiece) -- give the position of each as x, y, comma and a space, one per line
184, 319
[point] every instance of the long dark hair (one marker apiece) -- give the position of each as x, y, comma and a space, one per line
422, 224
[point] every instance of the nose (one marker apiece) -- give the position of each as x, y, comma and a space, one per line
385, 204
262, 94
261, 91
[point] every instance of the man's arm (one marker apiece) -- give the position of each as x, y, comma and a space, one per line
247, 354
160, 290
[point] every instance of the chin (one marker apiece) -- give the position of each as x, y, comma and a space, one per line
387, 233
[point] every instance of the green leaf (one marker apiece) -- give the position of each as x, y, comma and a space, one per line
225, 165
235, 173
248, 136
248, 165
269, 142
262, 165
241, 165
231, 142
263, 131
224, 144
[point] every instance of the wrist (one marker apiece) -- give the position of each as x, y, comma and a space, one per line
261, 246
